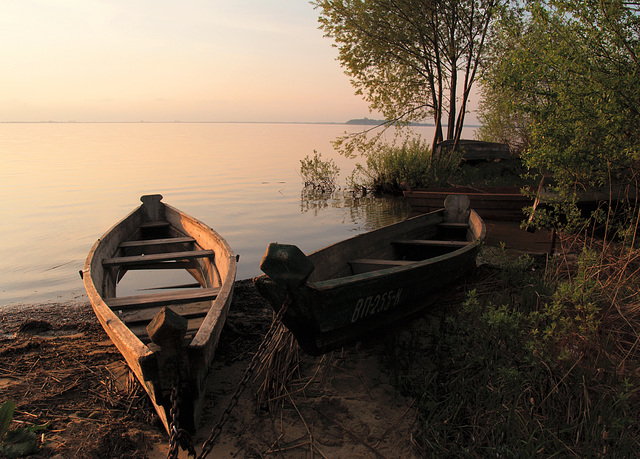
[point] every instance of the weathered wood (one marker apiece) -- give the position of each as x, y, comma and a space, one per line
456, 208
451, 225
214, 267
163, 265
477, 150
380, 263
154, 242
430, 243
167, 329
152, 207
156, 224
144, 316
491, 203
195, 323
157, 299
157, 257
358, 288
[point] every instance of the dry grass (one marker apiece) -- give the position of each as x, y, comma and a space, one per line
90, 409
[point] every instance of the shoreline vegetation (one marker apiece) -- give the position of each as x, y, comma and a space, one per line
528, 356
540, 355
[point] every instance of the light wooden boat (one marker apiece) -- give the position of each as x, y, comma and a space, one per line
368, 283
184, 324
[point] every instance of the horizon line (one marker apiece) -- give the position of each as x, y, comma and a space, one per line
212, 122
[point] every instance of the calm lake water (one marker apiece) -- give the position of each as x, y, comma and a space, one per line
63, 185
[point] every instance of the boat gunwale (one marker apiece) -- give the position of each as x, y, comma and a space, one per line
140, 358
203, 336
104, 312
329, 284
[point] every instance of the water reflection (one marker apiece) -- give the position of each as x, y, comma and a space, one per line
364, 212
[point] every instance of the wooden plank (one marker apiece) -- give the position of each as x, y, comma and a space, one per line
430, 243
144, 316
161, 224
476, 149
192, 328
364, 265
451, 225
161, 299
152, 242
157, 257
162, 265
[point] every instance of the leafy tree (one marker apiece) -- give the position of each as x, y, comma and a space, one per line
410, 59
570, 70
499, 114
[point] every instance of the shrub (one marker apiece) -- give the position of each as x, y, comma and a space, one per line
509, 374
319, 174
413, 163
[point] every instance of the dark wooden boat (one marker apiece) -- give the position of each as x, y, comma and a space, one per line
367, 283
476, 150
491, 203
168, 339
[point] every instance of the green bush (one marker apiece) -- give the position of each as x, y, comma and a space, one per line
413, 163
318, 174
509, 374
19, 442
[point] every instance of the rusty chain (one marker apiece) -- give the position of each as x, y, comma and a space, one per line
174, 412
178, 436
207, 446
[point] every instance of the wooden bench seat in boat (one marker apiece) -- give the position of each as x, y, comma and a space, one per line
140, 330
157, 258
161, 299
143, 316
156, 224
430, 243
451, 225
364, 265
155, 242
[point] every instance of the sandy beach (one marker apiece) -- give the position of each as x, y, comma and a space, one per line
60, 369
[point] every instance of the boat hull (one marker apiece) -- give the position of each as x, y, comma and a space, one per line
160, 366
325, 314
491, 203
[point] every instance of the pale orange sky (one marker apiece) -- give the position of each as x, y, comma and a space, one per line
159, 60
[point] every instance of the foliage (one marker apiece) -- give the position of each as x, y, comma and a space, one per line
318, 174
410, 59
6, 414
412, 163
526, 368
566, 73
500, 120
509, 172
18, 442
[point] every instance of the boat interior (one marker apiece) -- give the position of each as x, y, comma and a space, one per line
389, 247
178, 272
448, 237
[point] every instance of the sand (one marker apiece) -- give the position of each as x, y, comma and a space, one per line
60, 369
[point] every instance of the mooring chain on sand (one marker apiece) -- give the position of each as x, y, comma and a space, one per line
207, 446
178, 436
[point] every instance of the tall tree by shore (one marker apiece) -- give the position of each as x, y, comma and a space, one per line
411, 60
563, 81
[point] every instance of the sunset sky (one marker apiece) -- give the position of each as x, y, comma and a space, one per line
160, 60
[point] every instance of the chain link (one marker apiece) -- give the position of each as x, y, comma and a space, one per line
178, 436
207, 446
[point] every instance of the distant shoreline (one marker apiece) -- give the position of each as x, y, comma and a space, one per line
364, 122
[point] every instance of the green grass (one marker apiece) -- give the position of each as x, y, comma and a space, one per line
535, 362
